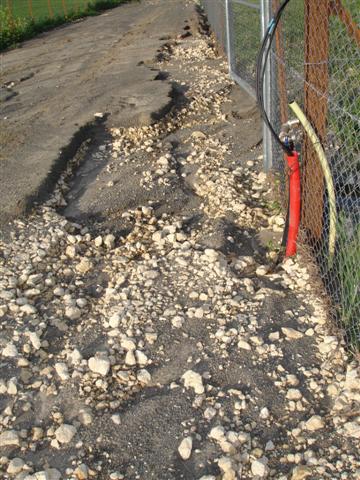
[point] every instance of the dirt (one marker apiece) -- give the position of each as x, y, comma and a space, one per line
53, 85
191, 155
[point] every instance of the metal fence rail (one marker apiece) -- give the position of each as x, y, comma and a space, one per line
315, 61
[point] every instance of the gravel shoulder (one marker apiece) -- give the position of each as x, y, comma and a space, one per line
142, 334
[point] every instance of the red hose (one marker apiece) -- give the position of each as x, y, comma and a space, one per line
294, 203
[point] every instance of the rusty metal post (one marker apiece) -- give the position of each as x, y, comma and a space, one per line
9, 7
51, 12
337, 8
316, 97
63, 2
31, 9
281, 80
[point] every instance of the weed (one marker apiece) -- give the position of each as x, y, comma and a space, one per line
14, 30
348, 260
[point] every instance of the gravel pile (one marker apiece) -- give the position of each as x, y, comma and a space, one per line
236, 366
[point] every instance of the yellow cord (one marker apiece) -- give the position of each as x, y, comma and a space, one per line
327, 174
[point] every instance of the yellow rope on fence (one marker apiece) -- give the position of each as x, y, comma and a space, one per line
327, 174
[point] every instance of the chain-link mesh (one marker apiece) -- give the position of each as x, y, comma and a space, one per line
245, 37
215, 12
315, 61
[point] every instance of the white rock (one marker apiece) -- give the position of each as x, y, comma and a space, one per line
244, 345
274, 336
291, 333
73, 313
130, 358
128, 343
314, 423
116, 418
352, 429
85, 417
259, 467
217, 433
84, 266
208, 477
82, 472
143, 376
293, 394
185, 448
301, 472
198, 135
109, 241
99, 364
209, 413
9, 438
262, 270
75, 356
10, 350
177, 322
48, 474
28, 309
141, 358
71, 251
352, 380
199, 313
35, 340
59, 292
264, 413
193, 380
98, 241
114, 321
11, 386
62, 370
15, 466
65, 433
226, 465
329, 344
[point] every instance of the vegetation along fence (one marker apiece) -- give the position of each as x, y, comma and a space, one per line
315, 62
24, 19
37, 9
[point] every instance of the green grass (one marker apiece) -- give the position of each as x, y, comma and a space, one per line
17, 25
348, 261
40, 8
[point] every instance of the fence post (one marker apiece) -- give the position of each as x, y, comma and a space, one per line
50, 10
265, 13
316, 90
31, 12
281, 74
228, 35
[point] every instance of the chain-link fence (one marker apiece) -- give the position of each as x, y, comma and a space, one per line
315, 62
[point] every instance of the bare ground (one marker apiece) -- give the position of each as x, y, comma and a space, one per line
146, 259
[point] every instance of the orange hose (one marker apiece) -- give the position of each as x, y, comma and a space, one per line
294, 203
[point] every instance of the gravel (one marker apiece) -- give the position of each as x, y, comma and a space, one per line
165, 347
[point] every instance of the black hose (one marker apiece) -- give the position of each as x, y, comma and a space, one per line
262, 60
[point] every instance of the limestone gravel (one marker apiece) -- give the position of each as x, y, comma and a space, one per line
121, 350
